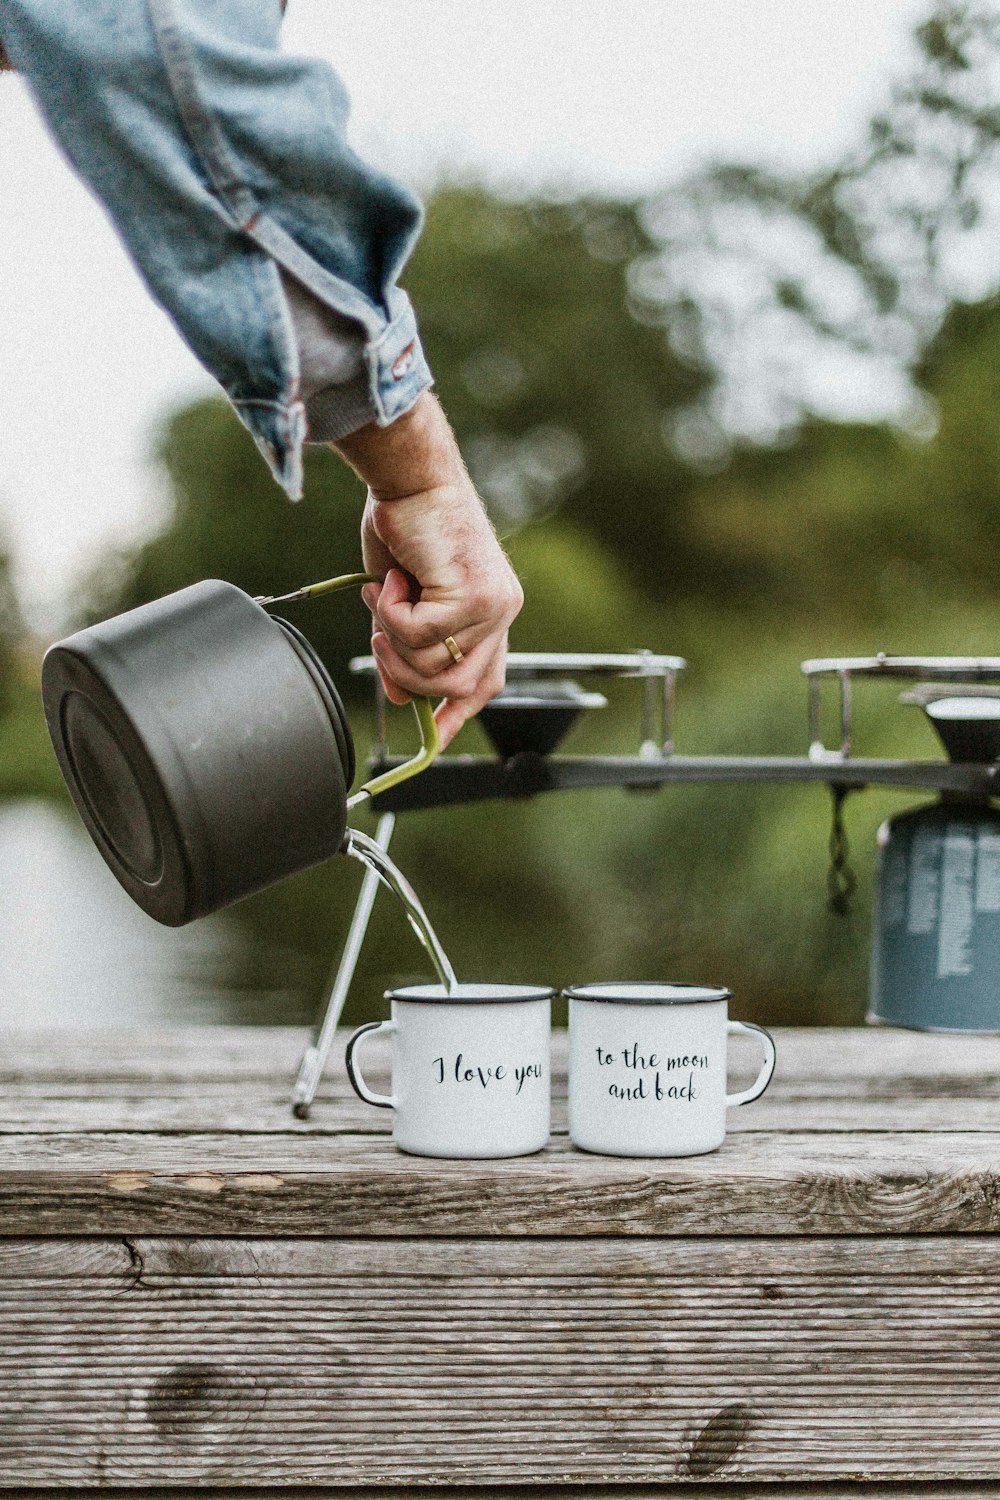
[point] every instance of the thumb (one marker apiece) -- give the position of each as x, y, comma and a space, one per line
450, 715
395, 594
419, 623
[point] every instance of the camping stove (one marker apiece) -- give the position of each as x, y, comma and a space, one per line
936, 957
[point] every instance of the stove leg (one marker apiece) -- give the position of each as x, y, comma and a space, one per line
314, 1061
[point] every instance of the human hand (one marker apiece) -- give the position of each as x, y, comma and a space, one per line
443, 573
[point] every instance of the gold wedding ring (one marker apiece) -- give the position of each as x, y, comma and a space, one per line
454, 648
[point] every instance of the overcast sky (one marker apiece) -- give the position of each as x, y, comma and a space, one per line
616, 97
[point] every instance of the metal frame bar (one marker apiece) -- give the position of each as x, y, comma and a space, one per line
966, 669
917, 668
460, 780
314, 1060
558, 663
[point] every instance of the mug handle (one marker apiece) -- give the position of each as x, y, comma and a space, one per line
760, 1083
384, 1101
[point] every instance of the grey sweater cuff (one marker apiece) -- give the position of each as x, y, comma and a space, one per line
336, 410
335, 379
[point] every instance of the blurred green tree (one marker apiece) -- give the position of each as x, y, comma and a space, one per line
608, 368
557, 390
858, 527
816, 295
556, 383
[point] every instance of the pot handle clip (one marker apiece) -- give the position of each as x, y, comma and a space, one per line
427, 725
422, 707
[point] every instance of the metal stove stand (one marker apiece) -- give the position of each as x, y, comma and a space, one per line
542, 700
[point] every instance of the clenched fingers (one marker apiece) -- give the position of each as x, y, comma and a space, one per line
480, 669
418, 630
465, 686
454, 712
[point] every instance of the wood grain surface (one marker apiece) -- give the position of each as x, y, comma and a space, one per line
265, 1185
500, 1362
189, 1132
696, 1490
197, 1290
231, 1053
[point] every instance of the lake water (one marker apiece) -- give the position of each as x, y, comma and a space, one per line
75, 950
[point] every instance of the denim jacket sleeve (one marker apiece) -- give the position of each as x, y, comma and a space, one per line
224, 165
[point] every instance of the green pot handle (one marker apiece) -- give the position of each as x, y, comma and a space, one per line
422, 707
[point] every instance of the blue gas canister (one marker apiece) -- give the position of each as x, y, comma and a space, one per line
936, 931
936, 937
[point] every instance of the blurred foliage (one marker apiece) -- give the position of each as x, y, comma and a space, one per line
812, 295
555, 384
605, 366
27, 766
11, 631
868, 519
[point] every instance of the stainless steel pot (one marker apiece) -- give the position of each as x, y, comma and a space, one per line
205, 747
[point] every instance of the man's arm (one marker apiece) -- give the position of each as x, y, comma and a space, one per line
224, 164
426, 535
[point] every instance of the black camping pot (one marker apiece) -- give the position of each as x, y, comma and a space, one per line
205, 747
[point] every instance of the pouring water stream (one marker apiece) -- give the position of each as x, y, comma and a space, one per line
360, 847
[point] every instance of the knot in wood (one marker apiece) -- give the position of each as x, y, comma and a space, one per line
190, 1399
719, 1440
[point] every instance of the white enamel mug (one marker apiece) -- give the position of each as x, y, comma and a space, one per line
470, 1070
647, 1068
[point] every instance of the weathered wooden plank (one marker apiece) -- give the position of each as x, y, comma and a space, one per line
659, 1363
968, 1260
854, 1491
265, 1186
174, 1052
234, 1085
68, 1259
775, 1154
230, 1083
685, 1491
231, 1052
247, 1110
964, 1263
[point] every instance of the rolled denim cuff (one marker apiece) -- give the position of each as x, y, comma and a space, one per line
397, 369
279, 430
396, 373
